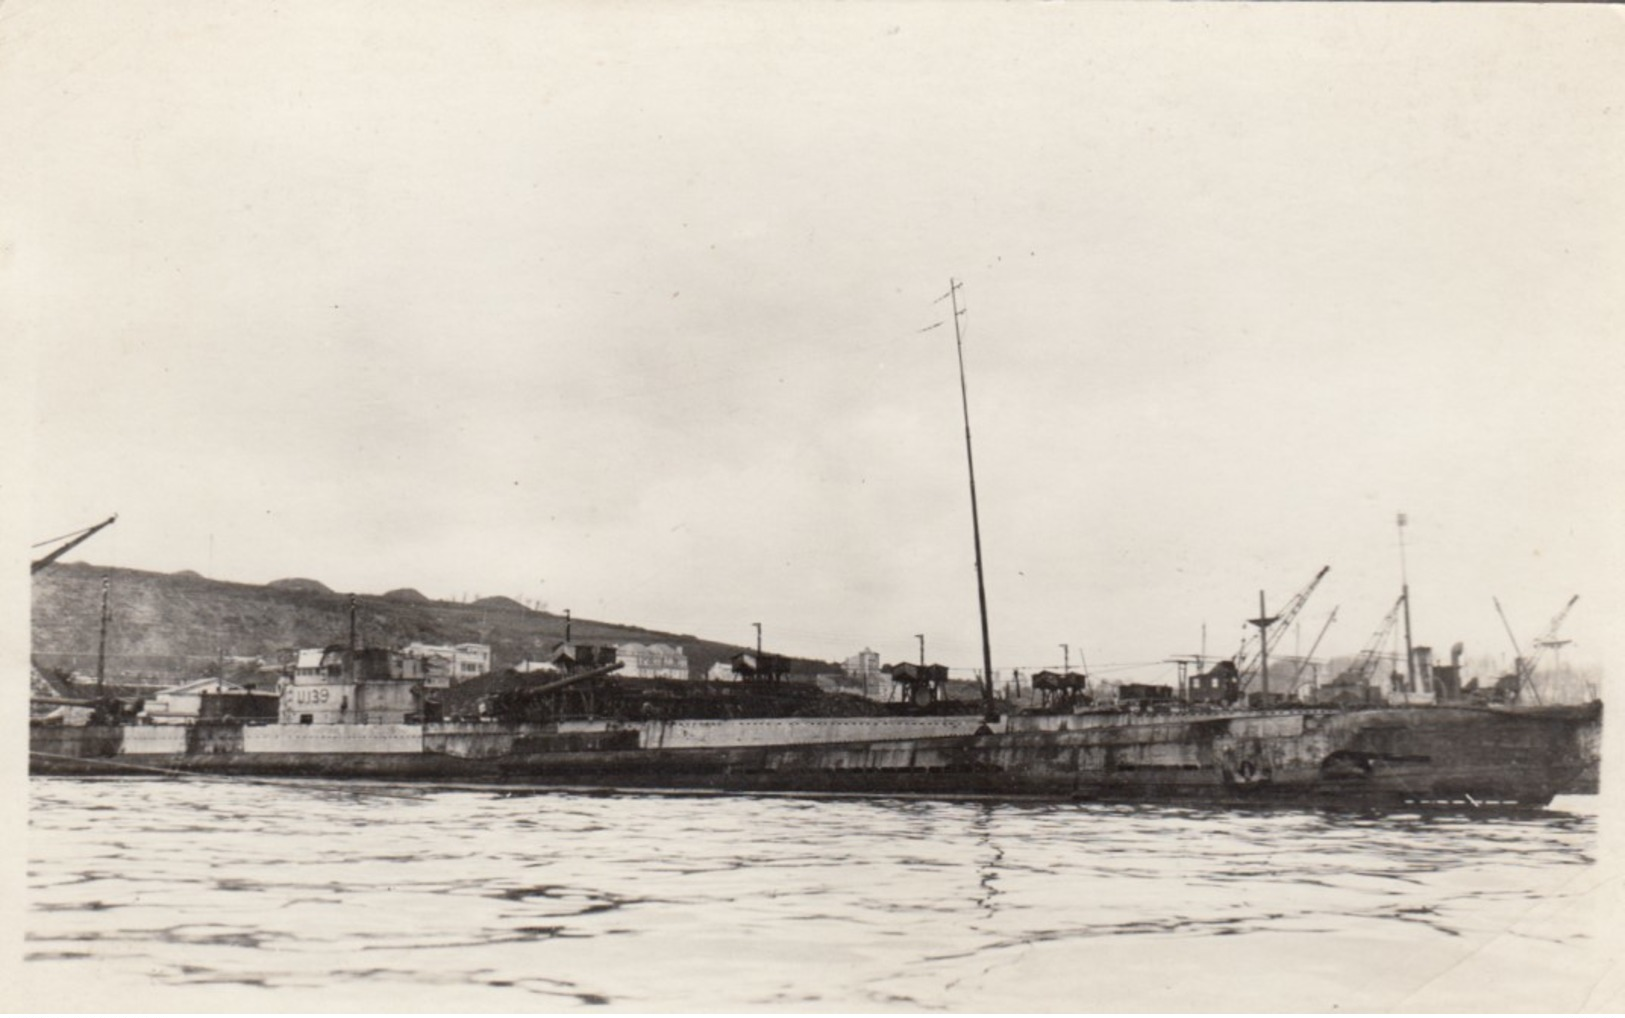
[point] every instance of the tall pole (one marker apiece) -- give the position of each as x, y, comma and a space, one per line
1263, 622
975, 521
1520, 664
1184, 661
1405, 595
101, 644
354, 671
758, 626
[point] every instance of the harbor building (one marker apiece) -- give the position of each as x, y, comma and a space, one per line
722, 671
865, 665
652, 661
450, 664
210, 698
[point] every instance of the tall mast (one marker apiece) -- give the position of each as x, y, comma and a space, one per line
975, 522
1405, 595
101, 645
1263, 622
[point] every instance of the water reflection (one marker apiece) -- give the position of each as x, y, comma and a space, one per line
992, 857
467, 899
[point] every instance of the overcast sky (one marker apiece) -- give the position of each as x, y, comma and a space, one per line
620, 308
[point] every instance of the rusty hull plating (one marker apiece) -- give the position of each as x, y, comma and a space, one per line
1377, 757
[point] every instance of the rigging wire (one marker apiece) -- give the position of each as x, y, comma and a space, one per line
64, 537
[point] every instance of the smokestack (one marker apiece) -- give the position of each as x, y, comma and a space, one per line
1423, 665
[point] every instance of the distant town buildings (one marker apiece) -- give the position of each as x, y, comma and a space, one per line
312, 663
652, 661
754, 666
572, 657
183, 703
449, 664
722, 671
637, 660
865, 665
209, 699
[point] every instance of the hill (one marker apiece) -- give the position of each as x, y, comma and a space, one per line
301, 583
173, 626
500, 604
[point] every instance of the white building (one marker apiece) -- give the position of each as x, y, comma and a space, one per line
651, 661
180, 704
865, 665
450, 664
722, 671
313, 663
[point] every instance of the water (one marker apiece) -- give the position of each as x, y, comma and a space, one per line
186, 895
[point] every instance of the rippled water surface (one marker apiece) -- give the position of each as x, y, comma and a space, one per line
196, 895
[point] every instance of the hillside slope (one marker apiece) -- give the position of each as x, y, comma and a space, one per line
171, 626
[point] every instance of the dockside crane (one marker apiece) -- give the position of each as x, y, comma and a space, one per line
1548, 640
1524, 668
1247, 659
1366, 663
74, 539
101, 704
1304, 662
